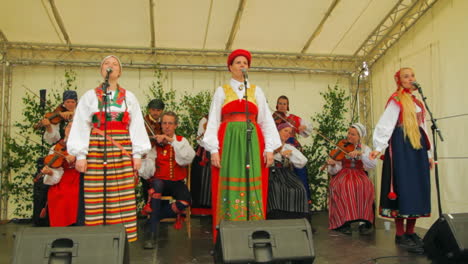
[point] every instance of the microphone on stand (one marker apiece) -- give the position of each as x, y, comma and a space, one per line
244, 72
417, 86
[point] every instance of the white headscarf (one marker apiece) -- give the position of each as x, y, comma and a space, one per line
361, 129
118, 60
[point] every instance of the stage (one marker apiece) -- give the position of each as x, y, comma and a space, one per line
331, 247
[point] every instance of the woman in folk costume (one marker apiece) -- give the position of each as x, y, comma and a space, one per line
63, 194
301, 127
405, 188
351, 191
126, 140
287, 197
234, 197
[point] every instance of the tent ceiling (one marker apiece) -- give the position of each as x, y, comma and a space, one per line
272, 26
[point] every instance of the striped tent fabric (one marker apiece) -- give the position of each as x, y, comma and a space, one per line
120, 187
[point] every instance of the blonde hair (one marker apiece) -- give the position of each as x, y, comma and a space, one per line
408, 114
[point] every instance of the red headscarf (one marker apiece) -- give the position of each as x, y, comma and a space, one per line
397, 79
398, 82
237, 53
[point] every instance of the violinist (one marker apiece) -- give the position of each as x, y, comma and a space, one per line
153, 119
351, 191
168, 162
153, 127
300, 127
287, 197
60, 173
55, 121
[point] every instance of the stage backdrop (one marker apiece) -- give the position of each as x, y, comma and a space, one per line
436, 49
302, 89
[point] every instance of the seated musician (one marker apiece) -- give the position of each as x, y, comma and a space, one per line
153, 127
351, 190
54, 132
62, 197
301, 127
168, 162
287, 197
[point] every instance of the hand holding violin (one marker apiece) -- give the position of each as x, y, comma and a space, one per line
67, 115
163, 139
374, 154
286, 153
47, 170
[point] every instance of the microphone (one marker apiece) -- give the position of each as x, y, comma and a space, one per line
417, 86
244, 72
109, 70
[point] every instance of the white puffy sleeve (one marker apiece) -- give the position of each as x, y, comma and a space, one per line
297, 159
78, 140
210, 139
138, 135
54, 136
384, 128
184, 153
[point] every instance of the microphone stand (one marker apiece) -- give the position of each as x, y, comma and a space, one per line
248, 141
435, 130
105, 87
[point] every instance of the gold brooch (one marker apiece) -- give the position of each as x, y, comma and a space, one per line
164, 152
241, 87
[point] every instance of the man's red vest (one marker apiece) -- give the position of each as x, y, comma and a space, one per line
166, 166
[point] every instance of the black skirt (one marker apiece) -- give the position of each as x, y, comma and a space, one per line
287, 197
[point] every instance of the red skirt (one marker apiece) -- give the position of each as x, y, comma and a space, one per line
63, 199
351, 197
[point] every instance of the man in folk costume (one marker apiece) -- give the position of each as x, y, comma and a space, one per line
152, 120
168, 162
62, 197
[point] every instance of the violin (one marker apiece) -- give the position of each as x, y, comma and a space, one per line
54, 117
279, 117
153, 128
55, 160
343, 147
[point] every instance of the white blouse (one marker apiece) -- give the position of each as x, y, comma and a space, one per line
297, 159
78, 140
264, 118
366, 162
384, 129
54, 136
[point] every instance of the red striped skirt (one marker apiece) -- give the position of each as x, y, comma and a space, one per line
351, 197
120, 187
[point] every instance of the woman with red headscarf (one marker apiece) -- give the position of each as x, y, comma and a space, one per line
235, 197
405, 188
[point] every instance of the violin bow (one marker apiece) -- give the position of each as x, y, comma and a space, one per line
56, 152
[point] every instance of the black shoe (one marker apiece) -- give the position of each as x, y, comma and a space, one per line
407, 243
366, 229
345, 229
149, 240
416, 239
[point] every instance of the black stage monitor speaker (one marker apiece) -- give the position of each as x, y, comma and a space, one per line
267, 241
447, 239
77, 244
